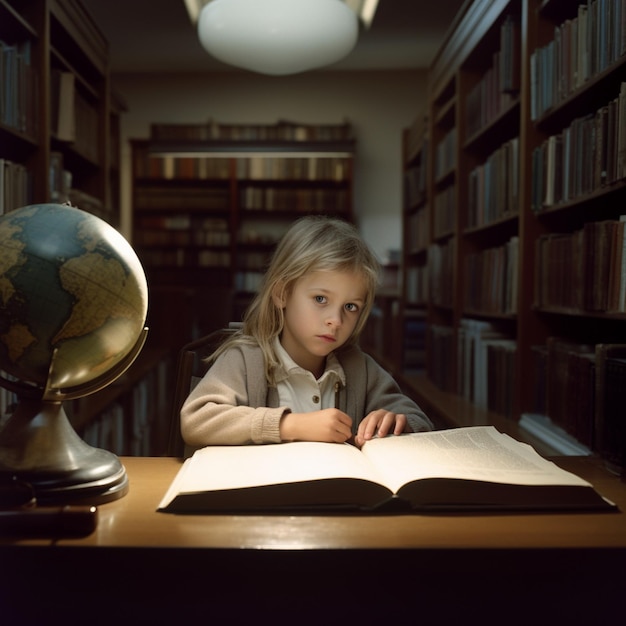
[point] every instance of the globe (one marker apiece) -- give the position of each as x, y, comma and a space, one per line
73, 296
73, 306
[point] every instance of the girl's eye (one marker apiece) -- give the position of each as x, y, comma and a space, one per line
320, 299
352, 307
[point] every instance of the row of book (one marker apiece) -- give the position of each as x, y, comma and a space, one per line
418, 231
62, 191
586, 156
444, 206
181, 167
128, 426
62, 105
497, 89
60, 179
493, 186
378, 332
254, 236
178, 237
416, 292
283, 130
441, 352
246, 168
491, 283
445, 154
441, 273
15, 186
476, 362
108, 430
415, 184
251, 259
73, 119
19, 93
414, 342
87, 141
8, 400
184, 257
584, 270
486, 366
248, 281
203, 230
295, 200
581, 388
294, 168
582, 47
168, 198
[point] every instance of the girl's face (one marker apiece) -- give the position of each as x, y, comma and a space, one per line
320, 315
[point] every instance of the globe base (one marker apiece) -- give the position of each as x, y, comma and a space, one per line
39, 446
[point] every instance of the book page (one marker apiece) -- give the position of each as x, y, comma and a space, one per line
236, 467
473, 453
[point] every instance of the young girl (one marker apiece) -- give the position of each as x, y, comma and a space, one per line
294, 371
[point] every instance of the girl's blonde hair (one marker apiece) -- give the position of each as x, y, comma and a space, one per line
312, 244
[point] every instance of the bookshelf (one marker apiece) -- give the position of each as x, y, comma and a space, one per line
57, 128
60, 142
521, 239
416, 239
210, 201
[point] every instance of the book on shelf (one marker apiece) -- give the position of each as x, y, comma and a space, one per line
474, 468
15, 186
444, 211
586, 156
63, 105
494, 186
491, 279
442, 357
510, 48
570, 385
596, 34
18, 78
583, 270
87, 128
486, 359
610, 396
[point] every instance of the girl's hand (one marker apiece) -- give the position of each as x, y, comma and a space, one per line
381, 423
328, 425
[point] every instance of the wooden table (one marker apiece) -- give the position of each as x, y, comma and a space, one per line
323, 569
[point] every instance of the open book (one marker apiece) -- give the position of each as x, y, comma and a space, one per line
475, 468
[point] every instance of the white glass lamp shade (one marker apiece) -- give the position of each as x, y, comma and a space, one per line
278, 36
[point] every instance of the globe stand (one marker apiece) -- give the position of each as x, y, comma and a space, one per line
39, 446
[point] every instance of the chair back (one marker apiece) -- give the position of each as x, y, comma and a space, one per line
191, 367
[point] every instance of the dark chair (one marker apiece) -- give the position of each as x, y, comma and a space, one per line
192, 366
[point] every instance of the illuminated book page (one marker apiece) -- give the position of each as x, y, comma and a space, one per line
475, 453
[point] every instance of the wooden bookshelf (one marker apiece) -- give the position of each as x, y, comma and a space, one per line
60, 142
56, 129
521, 239
211, 201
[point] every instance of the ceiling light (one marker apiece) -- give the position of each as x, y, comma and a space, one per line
278, 37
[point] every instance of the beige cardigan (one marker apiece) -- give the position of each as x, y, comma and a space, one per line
233, 404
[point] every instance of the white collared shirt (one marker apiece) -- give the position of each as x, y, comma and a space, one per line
299, 390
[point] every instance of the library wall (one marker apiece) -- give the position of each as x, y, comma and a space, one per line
378, 104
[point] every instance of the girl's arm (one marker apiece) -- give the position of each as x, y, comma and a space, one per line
217, 410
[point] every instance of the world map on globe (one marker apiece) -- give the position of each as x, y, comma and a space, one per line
73, 296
